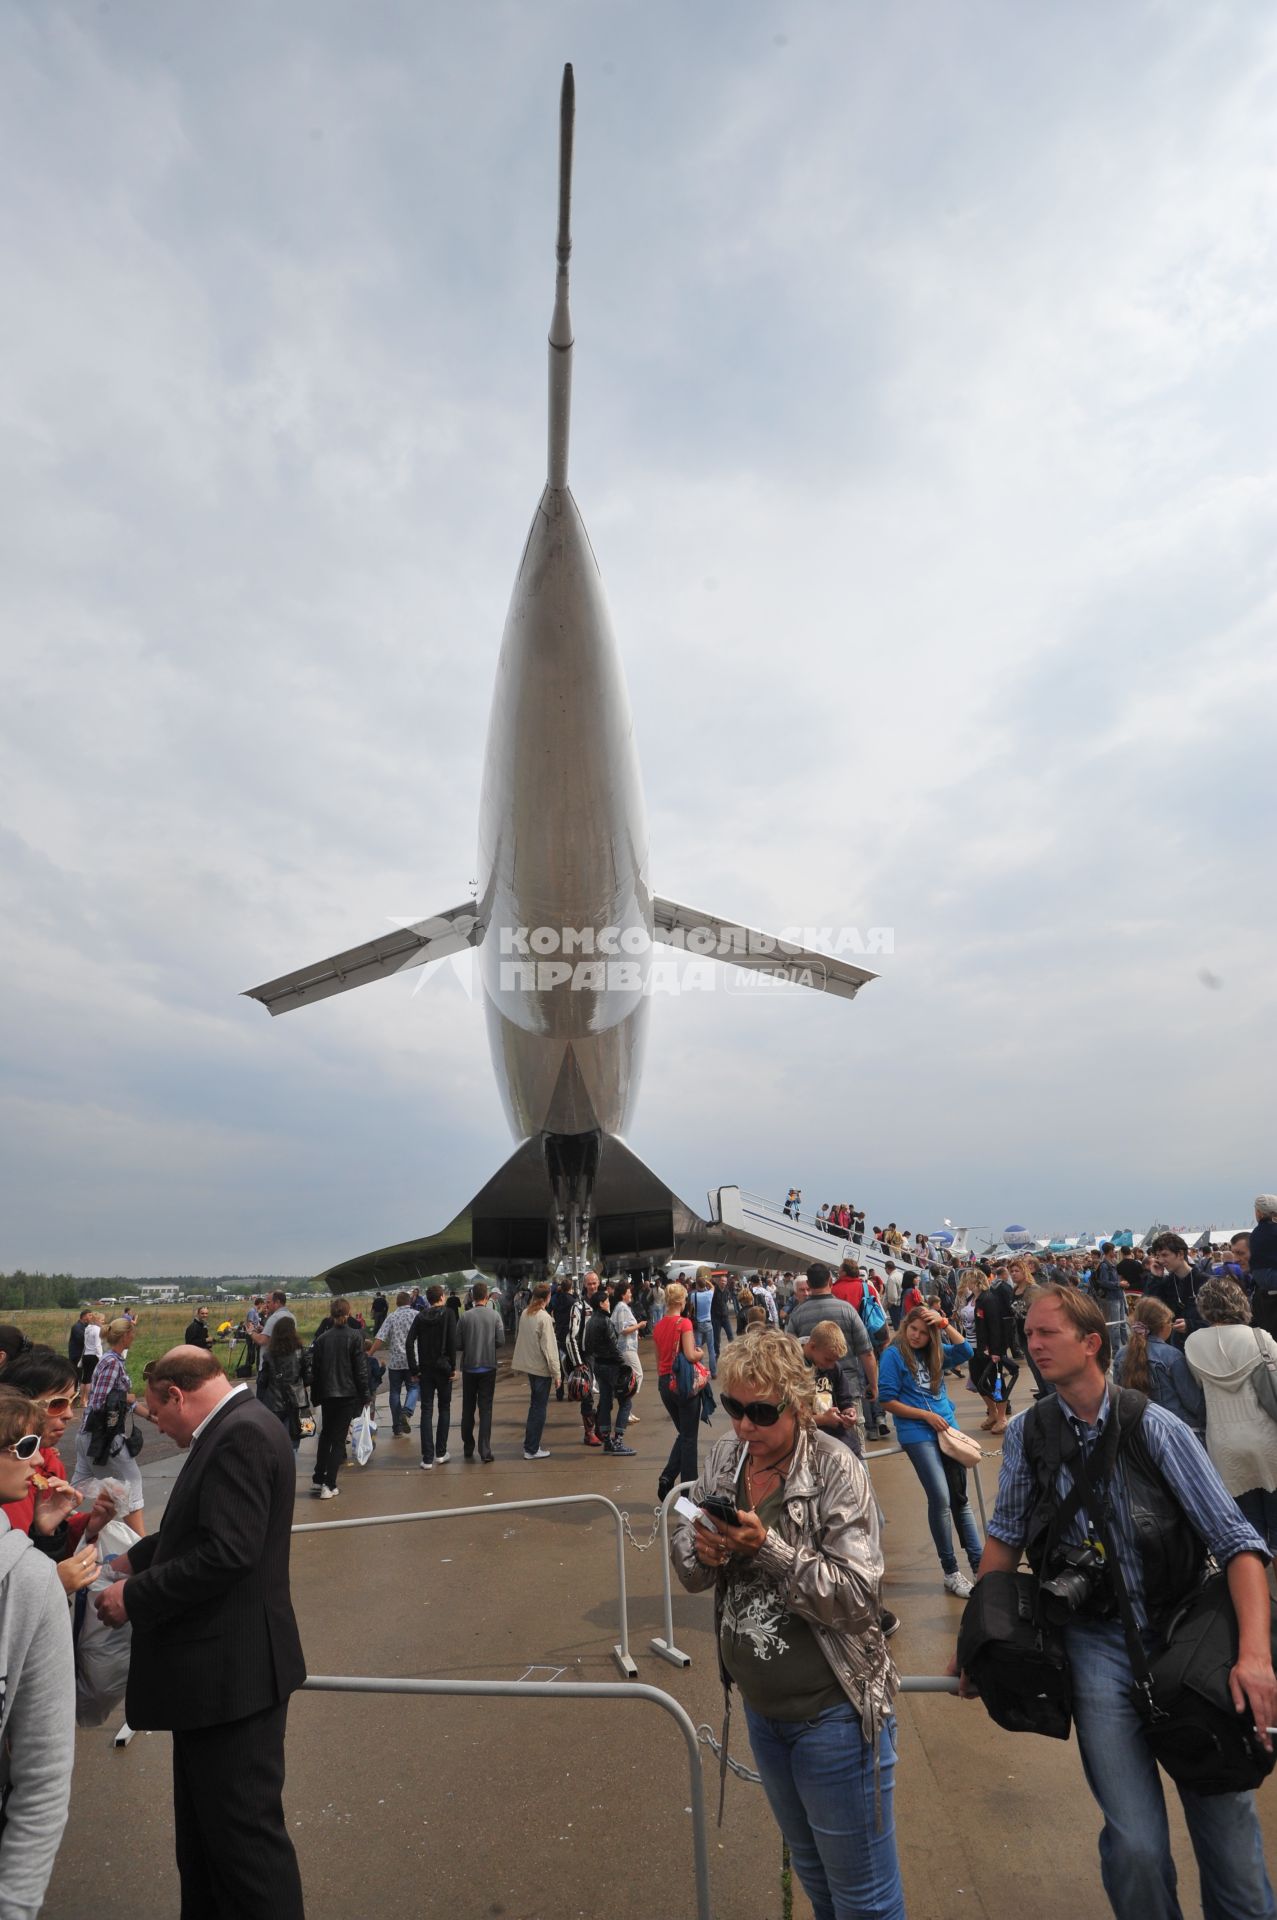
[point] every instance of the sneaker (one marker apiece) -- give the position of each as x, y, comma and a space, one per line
889, 1622
317, 1490
428, 1466
441, 1459
958, 1585
542, 1453
328, 1493
619, 1446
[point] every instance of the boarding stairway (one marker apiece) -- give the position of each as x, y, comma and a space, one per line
805, 1241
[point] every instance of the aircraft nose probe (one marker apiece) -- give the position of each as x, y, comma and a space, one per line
561, 319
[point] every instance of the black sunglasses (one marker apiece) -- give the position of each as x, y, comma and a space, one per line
759, 1413
26, 1448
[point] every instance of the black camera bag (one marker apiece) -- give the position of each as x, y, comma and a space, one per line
1198, 1735
1015, 1659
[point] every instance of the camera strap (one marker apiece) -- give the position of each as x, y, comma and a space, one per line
1060, 1452
1098, 1506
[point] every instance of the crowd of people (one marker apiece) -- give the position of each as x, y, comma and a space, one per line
1147, 1453
1149, 1439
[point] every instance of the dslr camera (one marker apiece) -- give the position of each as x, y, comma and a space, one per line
1079, 1583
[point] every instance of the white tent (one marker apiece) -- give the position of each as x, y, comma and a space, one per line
1220, 1236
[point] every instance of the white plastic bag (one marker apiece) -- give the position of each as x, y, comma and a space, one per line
102, 1652
361, 1440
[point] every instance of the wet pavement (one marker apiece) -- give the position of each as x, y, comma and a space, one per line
532, 1810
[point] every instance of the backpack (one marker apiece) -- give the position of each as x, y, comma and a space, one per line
871, 1311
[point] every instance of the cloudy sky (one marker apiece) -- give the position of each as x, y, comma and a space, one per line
924, 426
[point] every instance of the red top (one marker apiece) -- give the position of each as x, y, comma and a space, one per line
853, 1291
666, 1335
20, 1513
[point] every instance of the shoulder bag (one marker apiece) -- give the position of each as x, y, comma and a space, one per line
960, 1446
1014, 1658
1264, 1379
688, 1377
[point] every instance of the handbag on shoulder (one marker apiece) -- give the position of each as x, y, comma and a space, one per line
960, 1446
1264, 1379
690, 1377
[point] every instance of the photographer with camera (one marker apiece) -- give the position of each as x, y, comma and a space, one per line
1116, 1505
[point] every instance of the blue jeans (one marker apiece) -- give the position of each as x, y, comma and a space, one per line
818, 1776
539, 1389
945, 1484
398, 1414
705, 1338
1135, 1844
605, 1376
686, 1415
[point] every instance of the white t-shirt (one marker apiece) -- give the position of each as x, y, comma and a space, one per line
92, 1341
624, 1322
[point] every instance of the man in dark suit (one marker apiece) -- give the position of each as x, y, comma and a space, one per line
216, 1651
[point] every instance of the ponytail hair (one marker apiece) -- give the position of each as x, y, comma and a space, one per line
1150, 1318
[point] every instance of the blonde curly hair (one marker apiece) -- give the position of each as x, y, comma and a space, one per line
765, 1364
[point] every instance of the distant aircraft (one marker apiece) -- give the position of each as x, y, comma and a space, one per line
564, 921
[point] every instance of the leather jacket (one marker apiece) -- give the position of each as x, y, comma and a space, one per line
339, 1365
599, 1345
825, 1558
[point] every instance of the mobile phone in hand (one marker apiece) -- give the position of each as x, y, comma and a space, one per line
719, 1507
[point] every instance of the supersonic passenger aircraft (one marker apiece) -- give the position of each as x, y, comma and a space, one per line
564, 921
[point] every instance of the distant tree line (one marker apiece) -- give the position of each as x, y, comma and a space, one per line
35, 1290
39, 1290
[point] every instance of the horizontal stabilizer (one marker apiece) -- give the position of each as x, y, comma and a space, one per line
712, 938
636, 1221
412, 946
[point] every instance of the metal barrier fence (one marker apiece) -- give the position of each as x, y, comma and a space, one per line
663, 1645
554, 1690
597, 1690
885, 1453
620, 1653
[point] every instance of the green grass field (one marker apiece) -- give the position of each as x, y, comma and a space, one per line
160, 1328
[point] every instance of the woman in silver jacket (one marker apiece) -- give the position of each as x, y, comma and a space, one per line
797, 1601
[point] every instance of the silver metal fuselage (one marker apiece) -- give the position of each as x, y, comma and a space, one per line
563, 856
